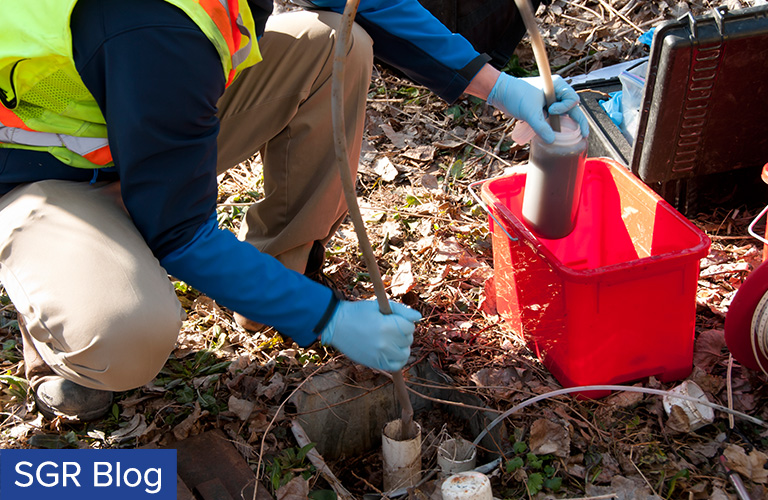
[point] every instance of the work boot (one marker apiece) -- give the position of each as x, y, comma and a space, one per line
56, 396
315, 261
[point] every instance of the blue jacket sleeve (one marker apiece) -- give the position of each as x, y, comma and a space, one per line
250, 282
407, 36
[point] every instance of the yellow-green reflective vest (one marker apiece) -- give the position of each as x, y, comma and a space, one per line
44, 104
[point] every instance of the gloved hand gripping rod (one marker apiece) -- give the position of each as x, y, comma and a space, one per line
540, 54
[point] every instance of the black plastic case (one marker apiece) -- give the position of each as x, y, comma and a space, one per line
705, 103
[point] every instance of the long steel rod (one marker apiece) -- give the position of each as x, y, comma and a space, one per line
342, 159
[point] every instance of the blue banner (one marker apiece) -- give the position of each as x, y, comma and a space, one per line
88, 474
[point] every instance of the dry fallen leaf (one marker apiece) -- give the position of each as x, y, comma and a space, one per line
623, 488
136, 427
678, 421
296, 489
624, 399
431, 183
403, 280
751, 466
385, 169
548, 437
398, 139
449, 249
181, 431
502, 382
393, 230
708, 350
240, 407
420, 153
488, 298
274, 388
735, 267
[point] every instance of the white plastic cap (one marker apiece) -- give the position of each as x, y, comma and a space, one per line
469, 485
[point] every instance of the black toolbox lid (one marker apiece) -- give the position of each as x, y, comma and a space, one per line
705, 103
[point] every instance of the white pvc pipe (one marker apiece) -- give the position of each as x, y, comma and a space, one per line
456, 455
401, 457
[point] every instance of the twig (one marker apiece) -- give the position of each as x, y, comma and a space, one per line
641, 474
572, 65
453, 403
729, 384
575, 19
734, 237
371, 486
595, 13
629, 7
644, 24
224, 204
599, 497
317, 460
504, 132
622, 16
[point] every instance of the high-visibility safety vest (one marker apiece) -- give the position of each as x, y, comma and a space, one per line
44, 104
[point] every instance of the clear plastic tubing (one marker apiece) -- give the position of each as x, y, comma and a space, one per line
583, 388
553, 182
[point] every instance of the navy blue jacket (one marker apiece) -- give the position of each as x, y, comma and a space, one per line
157, 80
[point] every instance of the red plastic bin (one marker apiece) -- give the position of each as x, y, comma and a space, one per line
614, 301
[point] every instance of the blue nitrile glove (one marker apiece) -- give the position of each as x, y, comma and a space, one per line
364, 335
523, 98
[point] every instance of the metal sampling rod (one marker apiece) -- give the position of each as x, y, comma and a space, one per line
736, 481
540, 54
340, 146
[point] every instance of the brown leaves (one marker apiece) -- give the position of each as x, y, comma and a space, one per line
750, 465
501, 383
135, 428
723, 271
296, 489
449, 250
385, 169
548, 437
240, 407
708, 349
183, 429
403, 280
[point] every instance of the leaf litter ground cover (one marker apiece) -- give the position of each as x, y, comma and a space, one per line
433, 246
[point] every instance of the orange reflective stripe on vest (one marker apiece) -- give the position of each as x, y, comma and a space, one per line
221, 14
101, 156
9, 119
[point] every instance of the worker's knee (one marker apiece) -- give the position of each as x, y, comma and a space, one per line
324, 25
121, 353
134, 350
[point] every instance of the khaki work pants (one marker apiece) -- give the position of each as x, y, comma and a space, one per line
98, 307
